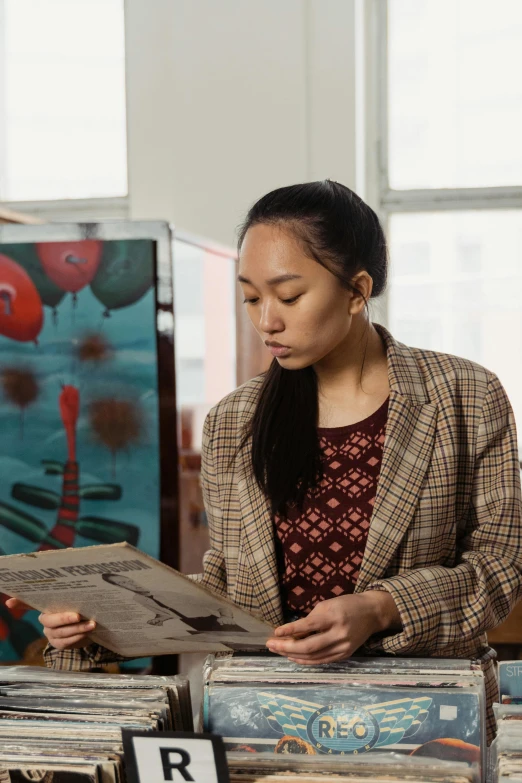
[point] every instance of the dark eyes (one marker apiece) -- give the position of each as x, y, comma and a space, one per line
285, 301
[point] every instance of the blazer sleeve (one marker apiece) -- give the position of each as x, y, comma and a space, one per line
214, 570
213, 576
82, 659
442, 607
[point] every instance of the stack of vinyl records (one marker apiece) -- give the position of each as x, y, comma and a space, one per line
417, 707
369, 768
65, 727
506, 750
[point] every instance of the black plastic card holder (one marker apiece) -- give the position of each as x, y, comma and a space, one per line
174, 756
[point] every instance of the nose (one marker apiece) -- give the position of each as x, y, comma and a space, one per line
270, 320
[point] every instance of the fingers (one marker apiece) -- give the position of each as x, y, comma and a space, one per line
63, 630
338, 651
58, 619
341, 647
74, 643
68, 631
67, 642
15, 603
299, 647
302, 627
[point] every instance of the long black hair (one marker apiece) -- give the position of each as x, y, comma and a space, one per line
342, 233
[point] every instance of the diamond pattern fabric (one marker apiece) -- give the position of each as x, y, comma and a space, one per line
320, 549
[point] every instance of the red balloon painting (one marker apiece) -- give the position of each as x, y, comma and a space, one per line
70, 265
21, 310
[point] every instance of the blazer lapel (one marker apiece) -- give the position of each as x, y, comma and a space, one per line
408, 445
257, 541
409, 439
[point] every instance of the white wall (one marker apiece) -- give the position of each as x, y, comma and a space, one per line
227, 99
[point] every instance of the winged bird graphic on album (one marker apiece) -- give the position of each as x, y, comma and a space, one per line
344, 727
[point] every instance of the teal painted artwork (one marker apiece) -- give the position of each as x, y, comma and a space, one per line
79, 410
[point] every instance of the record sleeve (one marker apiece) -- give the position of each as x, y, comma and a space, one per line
510, 680
346, 710
141, 606
344, 721
50, 774
382, 767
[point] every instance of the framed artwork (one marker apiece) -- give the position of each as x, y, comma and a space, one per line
88, 446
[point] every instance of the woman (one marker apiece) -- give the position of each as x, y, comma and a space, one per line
348, 427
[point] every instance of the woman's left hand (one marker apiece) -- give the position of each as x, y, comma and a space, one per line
336, 628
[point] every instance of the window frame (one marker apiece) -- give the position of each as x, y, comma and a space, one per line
387, 200
424, 199
74, 210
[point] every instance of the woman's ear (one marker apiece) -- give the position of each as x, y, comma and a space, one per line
364, 285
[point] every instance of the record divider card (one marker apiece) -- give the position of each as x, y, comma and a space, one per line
177, 756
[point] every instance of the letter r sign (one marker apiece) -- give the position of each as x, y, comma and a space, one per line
177, 756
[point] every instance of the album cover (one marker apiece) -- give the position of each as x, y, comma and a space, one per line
49, 775
348, 720
141, 606
510, 679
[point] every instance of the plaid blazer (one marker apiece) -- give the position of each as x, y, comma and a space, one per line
445, 538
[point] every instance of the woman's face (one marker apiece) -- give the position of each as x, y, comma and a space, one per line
298, 308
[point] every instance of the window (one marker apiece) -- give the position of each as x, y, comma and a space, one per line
450, 120
62, 99
454, 93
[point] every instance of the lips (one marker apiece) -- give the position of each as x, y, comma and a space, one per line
276, 349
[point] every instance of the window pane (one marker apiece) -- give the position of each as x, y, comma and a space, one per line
464, 294
455, 93
64, 123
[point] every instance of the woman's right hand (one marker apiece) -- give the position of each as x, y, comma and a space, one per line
64, 630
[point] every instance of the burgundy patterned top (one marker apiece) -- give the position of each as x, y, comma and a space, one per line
320, 550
